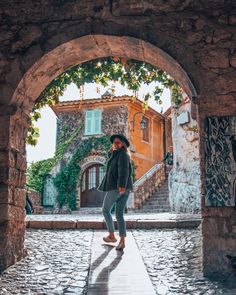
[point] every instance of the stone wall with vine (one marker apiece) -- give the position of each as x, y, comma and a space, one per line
73, 146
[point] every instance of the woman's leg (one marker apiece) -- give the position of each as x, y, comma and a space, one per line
109, 200
120, 206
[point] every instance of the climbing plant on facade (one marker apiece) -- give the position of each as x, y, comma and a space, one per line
36, 171
129, 73
67, 180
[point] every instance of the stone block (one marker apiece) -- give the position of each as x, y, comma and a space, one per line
64, 224
37, 224
10, 213
90, 224
131, 224
12, 230
209, 227
183, 118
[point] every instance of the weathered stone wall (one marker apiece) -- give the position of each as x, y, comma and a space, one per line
12, 180
35, 198
219, 223
114, 120
184, 178
40, 40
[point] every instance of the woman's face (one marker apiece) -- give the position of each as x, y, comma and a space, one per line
117, 143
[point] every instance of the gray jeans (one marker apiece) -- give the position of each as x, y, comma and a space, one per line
112, 197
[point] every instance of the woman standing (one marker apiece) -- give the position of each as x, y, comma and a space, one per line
117, 182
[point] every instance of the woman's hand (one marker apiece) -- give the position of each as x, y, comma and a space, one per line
121, 190
111, 149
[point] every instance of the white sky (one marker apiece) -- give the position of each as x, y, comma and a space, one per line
47, 124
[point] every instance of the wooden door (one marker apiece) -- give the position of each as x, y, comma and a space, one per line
91, 178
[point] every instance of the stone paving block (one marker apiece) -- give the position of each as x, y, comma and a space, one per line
40, 224
142, 224
90, 224
188, 223
65, 224
131, 224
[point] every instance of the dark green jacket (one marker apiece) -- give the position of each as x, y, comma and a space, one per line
118, 173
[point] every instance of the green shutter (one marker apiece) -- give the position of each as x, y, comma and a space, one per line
97, 121
93, 122
88, 122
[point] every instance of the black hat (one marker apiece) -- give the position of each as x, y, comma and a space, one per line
121, 137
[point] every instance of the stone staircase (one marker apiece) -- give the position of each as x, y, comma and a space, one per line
158, 201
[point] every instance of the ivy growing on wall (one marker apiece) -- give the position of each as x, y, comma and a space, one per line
37, 170
69, 177
129, 73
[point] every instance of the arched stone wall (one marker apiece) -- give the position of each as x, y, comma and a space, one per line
87, 48
199, 36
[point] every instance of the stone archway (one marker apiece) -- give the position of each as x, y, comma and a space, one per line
91, 47
20, 104
22, 87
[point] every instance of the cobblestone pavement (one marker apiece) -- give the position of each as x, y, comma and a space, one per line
57, 263
173, 261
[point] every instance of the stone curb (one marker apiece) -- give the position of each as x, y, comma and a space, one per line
130, 224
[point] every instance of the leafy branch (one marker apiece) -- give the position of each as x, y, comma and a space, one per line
129, 73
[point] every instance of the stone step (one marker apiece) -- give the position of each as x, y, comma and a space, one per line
156, 209
152, 198
156, 205
157, 200
164, 205
161, 193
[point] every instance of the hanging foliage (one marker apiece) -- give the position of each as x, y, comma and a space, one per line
129, 73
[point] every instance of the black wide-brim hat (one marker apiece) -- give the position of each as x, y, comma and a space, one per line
121, 137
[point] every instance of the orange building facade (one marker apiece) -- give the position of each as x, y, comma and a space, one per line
147, 145
148, 133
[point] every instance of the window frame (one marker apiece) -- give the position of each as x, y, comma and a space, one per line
146, 130
93, 124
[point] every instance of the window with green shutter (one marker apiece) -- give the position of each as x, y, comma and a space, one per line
93, 122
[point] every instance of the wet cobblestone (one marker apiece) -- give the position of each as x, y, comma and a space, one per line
57, 263
173, 261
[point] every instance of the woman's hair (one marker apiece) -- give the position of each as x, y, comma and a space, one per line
126, 149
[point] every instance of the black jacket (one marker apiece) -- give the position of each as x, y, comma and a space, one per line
118, 173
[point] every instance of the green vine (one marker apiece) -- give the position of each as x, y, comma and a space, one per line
69, 177
67, 180
129, 73
37, 170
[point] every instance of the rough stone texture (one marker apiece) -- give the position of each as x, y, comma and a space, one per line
68, 122
12, 192
147, 185
195, 39
173, 260
35, 198
184, 178
57, 263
